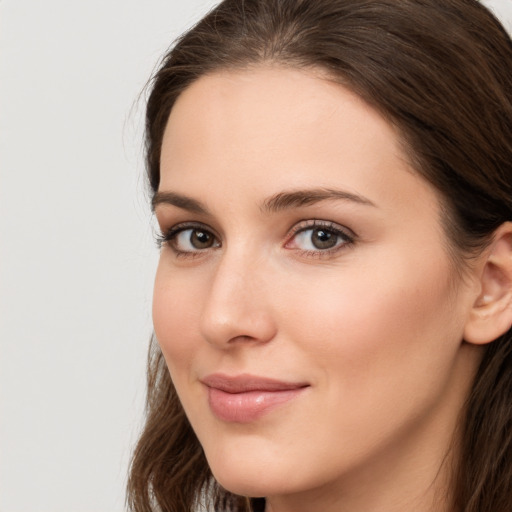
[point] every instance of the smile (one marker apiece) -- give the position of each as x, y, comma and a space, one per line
245, 398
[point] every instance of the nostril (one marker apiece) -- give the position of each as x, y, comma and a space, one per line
242, 339
241, 326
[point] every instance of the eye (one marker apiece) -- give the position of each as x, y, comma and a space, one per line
187, 240
319, 237
193, 239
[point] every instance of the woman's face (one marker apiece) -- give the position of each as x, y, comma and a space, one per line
304, 301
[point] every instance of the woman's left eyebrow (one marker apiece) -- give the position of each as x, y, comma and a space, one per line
297, 198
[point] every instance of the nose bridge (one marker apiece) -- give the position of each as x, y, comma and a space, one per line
237, 306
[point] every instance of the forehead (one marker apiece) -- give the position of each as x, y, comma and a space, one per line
271, 127
269, 105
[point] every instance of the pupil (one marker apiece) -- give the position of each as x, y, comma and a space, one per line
200, 239
323, 239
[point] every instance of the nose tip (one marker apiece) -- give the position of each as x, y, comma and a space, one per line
225, 331
237, 309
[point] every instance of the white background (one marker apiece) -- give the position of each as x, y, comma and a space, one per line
76, 251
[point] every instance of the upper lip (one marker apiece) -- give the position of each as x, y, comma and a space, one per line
245, 383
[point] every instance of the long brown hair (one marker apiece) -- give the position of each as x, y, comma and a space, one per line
441, 72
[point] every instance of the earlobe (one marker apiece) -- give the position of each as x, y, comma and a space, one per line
491, 314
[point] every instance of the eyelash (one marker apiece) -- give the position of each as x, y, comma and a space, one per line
346, 236
169, 237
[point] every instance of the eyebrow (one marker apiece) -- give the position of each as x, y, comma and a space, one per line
297, 198
180, 201
285, 200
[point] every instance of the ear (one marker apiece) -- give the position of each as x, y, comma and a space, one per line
491, 314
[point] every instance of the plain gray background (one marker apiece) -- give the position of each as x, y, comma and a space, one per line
77, 256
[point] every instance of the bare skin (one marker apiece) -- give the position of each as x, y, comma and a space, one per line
301, 247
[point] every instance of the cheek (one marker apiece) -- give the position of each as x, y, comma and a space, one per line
175, 317
392, 324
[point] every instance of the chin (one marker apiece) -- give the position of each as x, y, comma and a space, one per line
252, 481
243, 487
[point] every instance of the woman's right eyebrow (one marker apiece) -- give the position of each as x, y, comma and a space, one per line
180, 201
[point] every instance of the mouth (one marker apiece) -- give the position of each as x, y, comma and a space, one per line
245, 398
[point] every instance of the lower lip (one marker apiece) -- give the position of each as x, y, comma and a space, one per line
248, 406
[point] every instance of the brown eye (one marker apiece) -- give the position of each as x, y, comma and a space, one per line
193, 240
319, 237
323, 239
200, 239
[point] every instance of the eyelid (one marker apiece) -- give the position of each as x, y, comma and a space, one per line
320, 223
168, 235
345, 233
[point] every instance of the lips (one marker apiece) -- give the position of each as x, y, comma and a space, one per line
245, 398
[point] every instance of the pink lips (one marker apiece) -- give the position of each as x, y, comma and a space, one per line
244, 398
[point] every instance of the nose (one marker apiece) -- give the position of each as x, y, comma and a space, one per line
237, 308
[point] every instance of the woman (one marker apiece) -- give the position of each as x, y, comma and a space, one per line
333, 181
